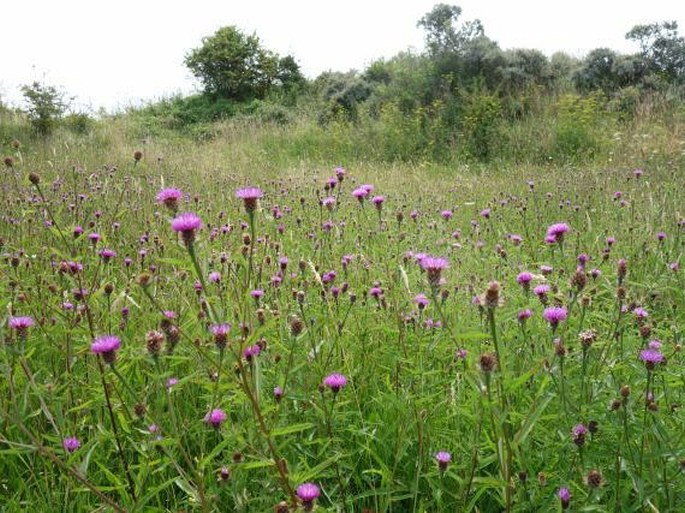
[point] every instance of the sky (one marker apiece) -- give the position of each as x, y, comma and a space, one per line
118, 53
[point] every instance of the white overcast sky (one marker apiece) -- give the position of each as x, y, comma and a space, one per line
120, 52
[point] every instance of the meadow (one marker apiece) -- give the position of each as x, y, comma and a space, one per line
235, 325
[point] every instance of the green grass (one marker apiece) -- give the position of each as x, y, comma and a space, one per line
371, 446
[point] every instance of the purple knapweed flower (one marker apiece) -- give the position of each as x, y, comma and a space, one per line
328, 202
421, 301
375, 292
564, 497
515, 239
524, 280
187, 224
554, 315
251, 352
220, 332
308, 493
214, 277
578, 434
335, 382
378, 201
485, 213
20, 324
107, 346
443, 459
557, 232
360, 193
660, 236
71, 444
651, 357
169, 197
249, 195
278, 394
107, 254
215, 418
524, 315
446, 215
434, 267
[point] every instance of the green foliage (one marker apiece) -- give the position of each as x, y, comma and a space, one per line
444, 31
480, 124
46, 105
662, 48
577, 135
234, 66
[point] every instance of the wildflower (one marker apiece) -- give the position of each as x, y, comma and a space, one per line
216, 417
214, 277
421, 301
328, 202
651, 357
564, 497
251, 352
308, 493
594, 479
378, 202
278, 394
107, 254
485, 213
554, 315
335, 382
660, 236
187, 224
524, 315
249, 195
557, 231
220, 332
446, 215
20, 325
375, 292
107, 346
360, 193
443, 458
546, 270
578, 434
524, 280
169, 197
487, 362
71, 444
434, 267
515, 239
340, 173
492, 297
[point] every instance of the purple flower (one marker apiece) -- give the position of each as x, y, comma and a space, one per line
421, 301
486, 213
524, 280
340, 173
554, 315
446, 215
546, 270
187, 224
375, 292
308, 493
249, 195
278, 394
524, 315
515, 239
257, 293
578, 434
251, 352
564, 497
215, 417
541, 291
71, 443
360, 193
557, 231
328, 202
107, 346
651, 357
335, 382
640, 313
169, 197
443, 458
434, 267
220, 332
107, 254
214, 277
378, 201
20, 324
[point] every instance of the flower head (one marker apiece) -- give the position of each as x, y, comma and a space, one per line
20, 324
554, 315
249, 195
169, 197
71, 443
578, 434
564, 497
308, 493
187, 224
443, 458
651, 357
557, 232
335, 382
215, 417
107, 345
434, 267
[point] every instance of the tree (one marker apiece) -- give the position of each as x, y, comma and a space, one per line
444, 33
235, 66
662, 48
46, 105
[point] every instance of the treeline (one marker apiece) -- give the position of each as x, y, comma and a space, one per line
463, 96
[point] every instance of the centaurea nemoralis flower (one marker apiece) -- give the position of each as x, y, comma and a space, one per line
249, 195
564, 497
187, 224
308, 493
20, 325
169, 197
556, 232
434, 267
71, 444
554, 315
443, 458
651, 357
578, 434
335, 382
215, 418
107, 346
